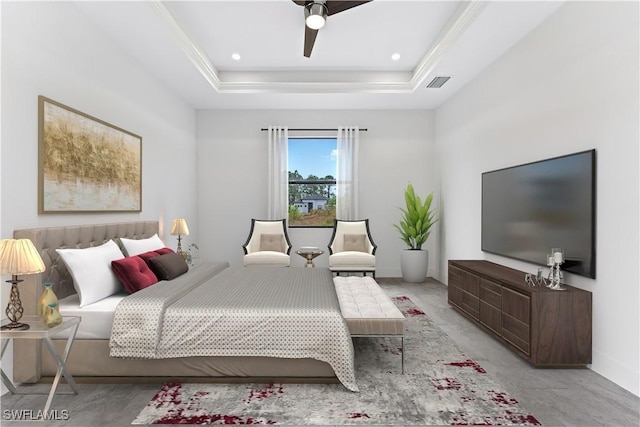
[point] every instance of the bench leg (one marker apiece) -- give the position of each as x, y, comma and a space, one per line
402, 354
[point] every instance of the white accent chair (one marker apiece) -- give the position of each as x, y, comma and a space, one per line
351, 248
268, 244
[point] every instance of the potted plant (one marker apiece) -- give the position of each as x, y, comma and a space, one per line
415, 228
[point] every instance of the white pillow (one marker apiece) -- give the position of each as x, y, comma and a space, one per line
140, 246
91, 270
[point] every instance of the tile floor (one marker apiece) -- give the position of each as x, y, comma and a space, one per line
556, 397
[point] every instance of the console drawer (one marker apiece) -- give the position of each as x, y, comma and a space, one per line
516, 332
491, 293
470, 305
516, 305
471, 284
456, 277
455, 295
491, 317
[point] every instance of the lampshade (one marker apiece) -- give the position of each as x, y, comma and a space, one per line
179, 227
315, 15
19, 256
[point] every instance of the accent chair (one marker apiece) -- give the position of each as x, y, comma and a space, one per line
351, 248
268, 244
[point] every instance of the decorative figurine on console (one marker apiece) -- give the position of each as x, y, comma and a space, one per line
555, 275
534, 281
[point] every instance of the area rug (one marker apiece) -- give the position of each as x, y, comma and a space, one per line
440, 386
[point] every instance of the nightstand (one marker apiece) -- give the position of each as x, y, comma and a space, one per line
39, 331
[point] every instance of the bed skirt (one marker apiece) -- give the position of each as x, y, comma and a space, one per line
90, 358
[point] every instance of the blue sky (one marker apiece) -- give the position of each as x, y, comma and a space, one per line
313, 156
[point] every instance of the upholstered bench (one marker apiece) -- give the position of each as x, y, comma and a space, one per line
368, 311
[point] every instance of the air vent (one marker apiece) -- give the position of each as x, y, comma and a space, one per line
437, 82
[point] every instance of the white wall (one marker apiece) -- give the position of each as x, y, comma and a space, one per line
570, 85
232, 172
50, 49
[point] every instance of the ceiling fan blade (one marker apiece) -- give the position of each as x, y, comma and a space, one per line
332, 7
309, 40
335, 6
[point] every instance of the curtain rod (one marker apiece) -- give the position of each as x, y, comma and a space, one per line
315, 130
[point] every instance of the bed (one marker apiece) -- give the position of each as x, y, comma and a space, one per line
92, 357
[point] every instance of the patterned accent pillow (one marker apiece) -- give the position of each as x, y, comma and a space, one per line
355, 242
134, 273
168, 266
272, 242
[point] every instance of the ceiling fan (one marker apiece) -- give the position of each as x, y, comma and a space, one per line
315, 16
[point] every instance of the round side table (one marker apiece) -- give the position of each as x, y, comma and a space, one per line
309, 255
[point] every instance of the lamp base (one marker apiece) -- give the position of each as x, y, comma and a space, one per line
14, 308
15, 326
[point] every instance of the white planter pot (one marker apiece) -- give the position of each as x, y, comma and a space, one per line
414, 265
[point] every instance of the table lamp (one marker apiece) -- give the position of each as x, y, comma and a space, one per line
179, 228
18, 257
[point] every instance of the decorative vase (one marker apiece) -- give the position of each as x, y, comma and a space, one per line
47, 297
414, 264
52, 315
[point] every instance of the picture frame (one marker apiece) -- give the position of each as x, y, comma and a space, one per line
85, 165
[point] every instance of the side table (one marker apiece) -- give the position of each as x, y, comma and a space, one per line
39, 331
309, 254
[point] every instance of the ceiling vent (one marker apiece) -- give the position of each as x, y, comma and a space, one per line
437, 82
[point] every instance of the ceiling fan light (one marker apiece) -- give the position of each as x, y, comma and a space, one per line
315, 15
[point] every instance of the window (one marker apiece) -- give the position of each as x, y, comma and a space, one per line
332, 161
312, 181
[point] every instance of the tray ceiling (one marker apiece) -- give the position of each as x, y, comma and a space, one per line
190, 46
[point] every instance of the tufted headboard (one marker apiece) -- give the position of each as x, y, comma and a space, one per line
47, 240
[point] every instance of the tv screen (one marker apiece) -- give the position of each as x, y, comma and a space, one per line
531, 208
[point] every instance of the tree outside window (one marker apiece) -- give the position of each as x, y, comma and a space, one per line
312, 182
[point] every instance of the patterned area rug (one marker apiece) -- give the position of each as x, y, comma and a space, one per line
440, 386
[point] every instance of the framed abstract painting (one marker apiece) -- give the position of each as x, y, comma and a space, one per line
85, 164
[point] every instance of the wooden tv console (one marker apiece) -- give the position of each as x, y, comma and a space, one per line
547, 328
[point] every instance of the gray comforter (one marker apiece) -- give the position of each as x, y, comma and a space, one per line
257, 311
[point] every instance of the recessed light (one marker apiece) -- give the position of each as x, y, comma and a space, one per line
395, 56
235, 56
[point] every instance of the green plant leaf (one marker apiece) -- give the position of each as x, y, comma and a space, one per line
417, 219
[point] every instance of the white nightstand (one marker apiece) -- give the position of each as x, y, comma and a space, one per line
39, 331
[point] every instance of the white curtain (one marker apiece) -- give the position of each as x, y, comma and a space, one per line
347, 173
278, 183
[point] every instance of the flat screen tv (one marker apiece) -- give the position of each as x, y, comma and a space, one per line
531, 208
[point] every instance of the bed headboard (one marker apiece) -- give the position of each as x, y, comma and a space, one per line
47, 240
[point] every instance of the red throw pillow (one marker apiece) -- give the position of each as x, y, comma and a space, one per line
134, 273
146, 256
163, 251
